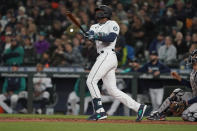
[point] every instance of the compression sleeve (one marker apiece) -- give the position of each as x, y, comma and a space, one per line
185, 83
108, 38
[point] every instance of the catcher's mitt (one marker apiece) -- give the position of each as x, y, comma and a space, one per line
177, 107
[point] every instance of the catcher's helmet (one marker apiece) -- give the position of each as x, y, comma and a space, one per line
192, 58
106, 12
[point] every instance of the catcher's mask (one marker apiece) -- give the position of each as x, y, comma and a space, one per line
177, 95
178, 92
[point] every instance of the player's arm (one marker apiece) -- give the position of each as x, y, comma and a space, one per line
101, 37
143, 69
113, 29
181, 80
192, 101
164, 69
107, 38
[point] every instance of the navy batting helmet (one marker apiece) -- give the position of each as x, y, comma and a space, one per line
106, 12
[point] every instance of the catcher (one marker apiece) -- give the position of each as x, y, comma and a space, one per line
175, 104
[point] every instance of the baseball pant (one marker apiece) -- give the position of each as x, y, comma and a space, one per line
73, 105
13, 102
104, 68
156, 96
190, 114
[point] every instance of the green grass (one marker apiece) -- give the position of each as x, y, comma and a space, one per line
62, 126
74, 126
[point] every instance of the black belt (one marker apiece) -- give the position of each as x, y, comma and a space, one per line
103, 51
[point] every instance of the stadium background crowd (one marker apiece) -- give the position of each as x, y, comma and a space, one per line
38, 31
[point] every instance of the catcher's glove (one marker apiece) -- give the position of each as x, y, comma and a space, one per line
177, 107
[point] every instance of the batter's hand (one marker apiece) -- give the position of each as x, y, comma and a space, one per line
93, 37
176, 76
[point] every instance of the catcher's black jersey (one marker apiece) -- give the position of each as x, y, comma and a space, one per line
193, 82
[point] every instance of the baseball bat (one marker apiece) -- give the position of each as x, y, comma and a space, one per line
73, 19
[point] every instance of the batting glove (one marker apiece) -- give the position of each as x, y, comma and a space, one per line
93, 37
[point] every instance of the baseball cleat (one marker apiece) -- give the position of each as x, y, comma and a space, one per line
141, 112
98, 116
155, 116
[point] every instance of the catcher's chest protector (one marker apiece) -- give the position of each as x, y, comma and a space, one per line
193, 82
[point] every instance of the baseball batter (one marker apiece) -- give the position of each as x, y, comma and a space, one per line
104, 34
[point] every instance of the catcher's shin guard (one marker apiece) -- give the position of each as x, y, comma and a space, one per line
155, 116
164, 106
190, 117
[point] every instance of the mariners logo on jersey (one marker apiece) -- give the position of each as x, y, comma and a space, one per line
115, 28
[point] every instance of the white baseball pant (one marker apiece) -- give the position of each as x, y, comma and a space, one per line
156, 96
190, 114
104, 68
73, 99
13, 102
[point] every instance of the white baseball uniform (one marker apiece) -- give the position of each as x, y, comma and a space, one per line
105, 66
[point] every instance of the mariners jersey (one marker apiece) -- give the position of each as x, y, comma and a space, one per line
193, 82
41, 83
109, 26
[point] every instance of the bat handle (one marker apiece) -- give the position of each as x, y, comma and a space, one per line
83, 31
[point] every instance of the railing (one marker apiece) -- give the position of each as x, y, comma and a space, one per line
30, 72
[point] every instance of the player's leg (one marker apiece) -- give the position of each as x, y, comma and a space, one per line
13, 101
190, 114
160, 113
44, 99
4, 105
72, 103
106, 98
102, 65
110, 82
159, 97
113, 107
156, 97
153, 98
87, 100
22, 100
96, 73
